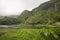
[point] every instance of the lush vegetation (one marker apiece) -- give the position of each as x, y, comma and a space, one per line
47, 13
9, 21
42, 23
30, 34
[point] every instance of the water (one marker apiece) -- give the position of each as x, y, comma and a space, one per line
8, 26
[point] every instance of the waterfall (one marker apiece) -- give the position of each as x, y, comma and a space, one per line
56, 6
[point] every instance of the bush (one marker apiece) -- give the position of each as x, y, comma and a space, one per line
31, 34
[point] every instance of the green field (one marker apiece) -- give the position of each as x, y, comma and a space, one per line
30, 34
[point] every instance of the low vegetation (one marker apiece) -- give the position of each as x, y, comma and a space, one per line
42, 23
30, 34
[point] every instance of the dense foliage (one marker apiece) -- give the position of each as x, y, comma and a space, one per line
9, 21
30, 34
44, 22
45, 15
24, 16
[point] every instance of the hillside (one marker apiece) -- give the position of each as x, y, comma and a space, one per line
42, 23
47, 13
24, 16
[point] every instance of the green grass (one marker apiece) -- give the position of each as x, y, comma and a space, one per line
57, 23
30, 34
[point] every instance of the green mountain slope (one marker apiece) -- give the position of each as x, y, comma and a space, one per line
46, 13
24, 16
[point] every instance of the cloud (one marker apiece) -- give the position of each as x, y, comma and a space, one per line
14, 7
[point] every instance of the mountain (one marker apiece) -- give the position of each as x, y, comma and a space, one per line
13, 16
46, 13
24, 15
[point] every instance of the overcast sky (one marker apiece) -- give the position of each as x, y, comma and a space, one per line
15, 7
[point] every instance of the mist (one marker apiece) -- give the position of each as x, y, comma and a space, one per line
15, 7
